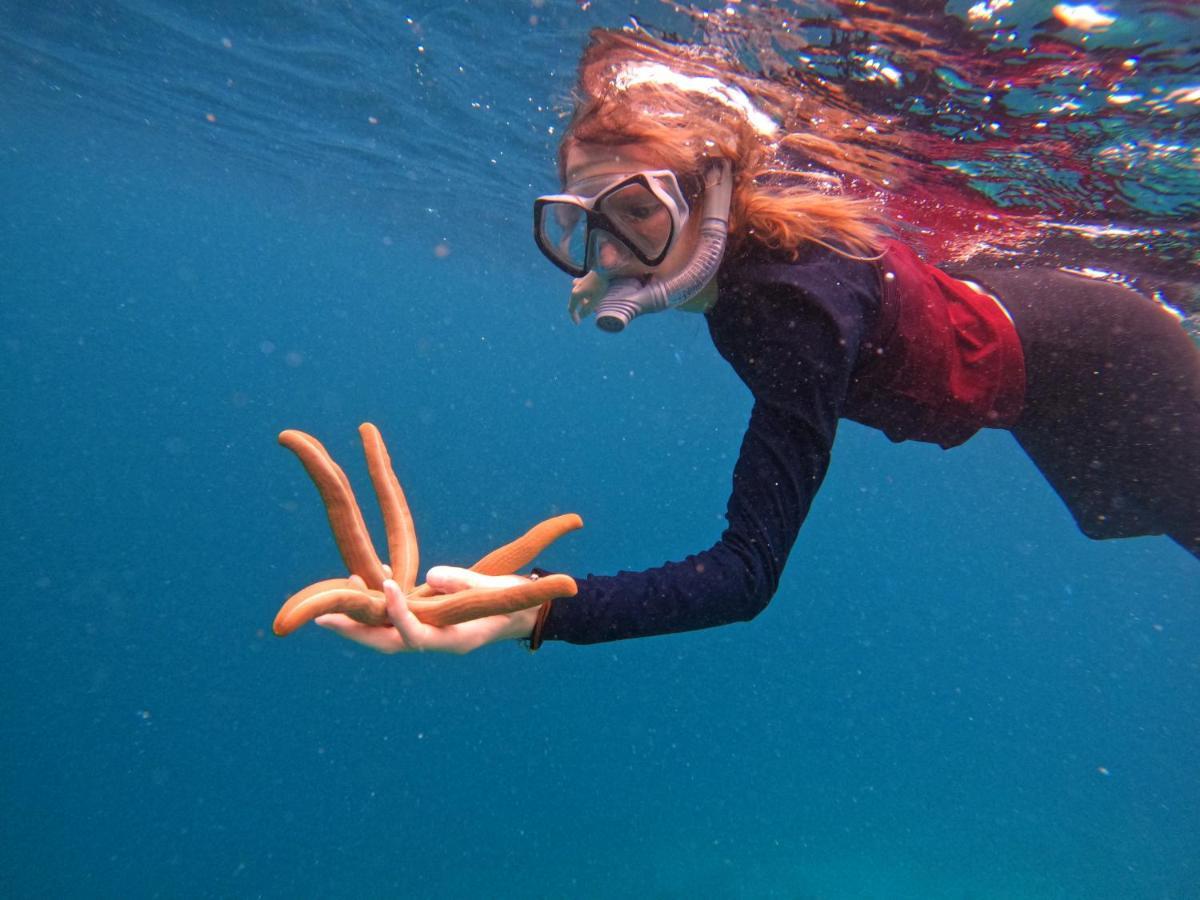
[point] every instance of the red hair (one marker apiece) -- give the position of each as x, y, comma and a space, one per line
689, 104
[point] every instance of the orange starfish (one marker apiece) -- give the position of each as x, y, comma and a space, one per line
361, 596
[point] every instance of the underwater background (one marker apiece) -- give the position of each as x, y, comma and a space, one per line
219, 220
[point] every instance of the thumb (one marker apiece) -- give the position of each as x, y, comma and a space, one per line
449, 579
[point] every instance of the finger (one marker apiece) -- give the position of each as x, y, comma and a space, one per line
579, 307
385, 640
412, 630
357, 583
387, 570
573, 303
584, 291
454, 638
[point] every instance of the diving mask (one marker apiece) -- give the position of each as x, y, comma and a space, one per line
606, 220
625, 298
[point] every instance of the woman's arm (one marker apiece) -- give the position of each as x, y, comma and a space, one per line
793, 333
781, 465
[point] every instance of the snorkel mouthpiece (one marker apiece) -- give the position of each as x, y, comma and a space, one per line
627, 298
624, 299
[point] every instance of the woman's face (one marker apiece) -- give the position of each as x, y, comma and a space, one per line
651, 221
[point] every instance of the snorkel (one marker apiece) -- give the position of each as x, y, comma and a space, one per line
627, 298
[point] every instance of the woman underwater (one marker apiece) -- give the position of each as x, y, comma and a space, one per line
682, 191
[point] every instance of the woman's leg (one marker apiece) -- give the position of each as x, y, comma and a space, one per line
1112, 407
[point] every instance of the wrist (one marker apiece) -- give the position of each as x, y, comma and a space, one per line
520, 624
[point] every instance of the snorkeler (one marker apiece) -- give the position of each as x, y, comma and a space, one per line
681, 191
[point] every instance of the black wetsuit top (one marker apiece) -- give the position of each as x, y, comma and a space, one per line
793, 332
1104, 397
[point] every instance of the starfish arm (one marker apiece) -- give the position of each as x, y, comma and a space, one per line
369, 607
286, 620
359, 596
329, 596
512, 556
479, 603
345, 518
521, 552
397, 519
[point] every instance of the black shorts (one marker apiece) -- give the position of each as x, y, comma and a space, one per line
1112, 403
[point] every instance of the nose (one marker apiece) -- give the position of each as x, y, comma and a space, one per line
608, 255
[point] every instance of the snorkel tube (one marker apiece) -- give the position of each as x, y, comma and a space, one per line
627, 298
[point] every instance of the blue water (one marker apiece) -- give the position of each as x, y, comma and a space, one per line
953, 695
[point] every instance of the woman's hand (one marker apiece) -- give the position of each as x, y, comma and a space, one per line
410, 634
585, 292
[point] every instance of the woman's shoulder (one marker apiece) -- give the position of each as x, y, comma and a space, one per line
757, 274
777, 316
770, 296
809, 265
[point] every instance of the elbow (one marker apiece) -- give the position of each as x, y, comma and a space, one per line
755, 594
756, 585
753, 602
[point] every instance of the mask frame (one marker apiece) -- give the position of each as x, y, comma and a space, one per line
662, 184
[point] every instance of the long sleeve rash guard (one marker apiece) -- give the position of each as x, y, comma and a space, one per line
794, 333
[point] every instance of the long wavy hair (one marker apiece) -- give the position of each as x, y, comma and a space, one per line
688, 104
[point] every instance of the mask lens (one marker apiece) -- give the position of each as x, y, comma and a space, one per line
607, 253
563, 230
641, 217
